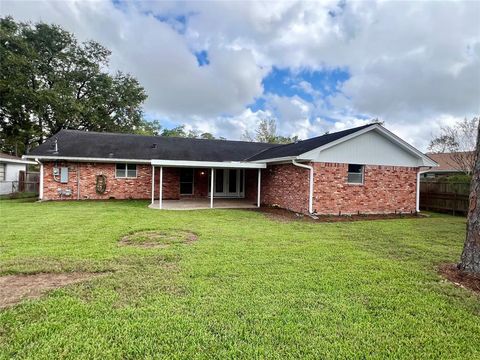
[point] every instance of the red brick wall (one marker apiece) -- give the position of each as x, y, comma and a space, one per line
285, 186
171, 183
386, 189
251, 187
137, 188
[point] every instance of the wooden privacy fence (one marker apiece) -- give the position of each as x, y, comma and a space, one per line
27, 182
444, 196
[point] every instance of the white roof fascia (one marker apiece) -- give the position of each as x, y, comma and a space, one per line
171, 163
209, 164
15, 161
86, 159
285, 158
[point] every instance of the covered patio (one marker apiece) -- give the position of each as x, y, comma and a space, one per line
199, 204
223, 184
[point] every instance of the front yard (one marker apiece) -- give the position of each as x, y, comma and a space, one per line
241, 286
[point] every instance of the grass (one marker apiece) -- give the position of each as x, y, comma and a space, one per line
249, 287
20, 195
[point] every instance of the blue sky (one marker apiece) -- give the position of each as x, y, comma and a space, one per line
312, 66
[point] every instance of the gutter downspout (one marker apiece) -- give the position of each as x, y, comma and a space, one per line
417, 207
310, 197
40, 185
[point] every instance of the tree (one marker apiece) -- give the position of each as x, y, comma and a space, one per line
266, 132
148, 128
49, 81
181, 131
470, 259
459, 140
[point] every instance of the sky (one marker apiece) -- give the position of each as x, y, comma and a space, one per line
220, 67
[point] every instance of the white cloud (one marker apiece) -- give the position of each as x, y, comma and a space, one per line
412, 64
157, 55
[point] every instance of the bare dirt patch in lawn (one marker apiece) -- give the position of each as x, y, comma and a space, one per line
158, 238
15, 288
460, 278
284, 215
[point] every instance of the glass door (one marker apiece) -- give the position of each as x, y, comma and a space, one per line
228, 183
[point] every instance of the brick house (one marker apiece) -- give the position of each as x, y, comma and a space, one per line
366, 170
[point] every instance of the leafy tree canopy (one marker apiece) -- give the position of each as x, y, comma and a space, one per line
49, 81
181, 131
266, 132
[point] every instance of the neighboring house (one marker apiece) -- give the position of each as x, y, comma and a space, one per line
10, 167
450, 164
366, 169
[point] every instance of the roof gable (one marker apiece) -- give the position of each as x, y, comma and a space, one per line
309, 149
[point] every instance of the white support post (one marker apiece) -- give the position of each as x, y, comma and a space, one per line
160, 198
419, 172
153, 184
259, 186
417, 206
211, 188
40, 185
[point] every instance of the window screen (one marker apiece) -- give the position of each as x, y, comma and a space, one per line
125, 170
355, 174
2, 172
186, 181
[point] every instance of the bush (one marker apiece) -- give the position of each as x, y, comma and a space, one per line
464, 179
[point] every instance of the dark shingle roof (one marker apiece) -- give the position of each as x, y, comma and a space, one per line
82, 144
74, 143
300, 147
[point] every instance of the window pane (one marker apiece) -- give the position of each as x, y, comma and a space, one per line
132, 167
219, 180
355, 178
120, 172
232, 181
355, 168
241, 179
186, 188
2, 172
132, 173
186, 175
186, 181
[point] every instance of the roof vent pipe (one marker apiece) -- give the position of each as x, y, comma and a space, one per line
55, 146
310, 196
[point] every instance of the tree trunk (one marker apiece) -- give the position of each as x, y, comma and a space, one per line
470, 260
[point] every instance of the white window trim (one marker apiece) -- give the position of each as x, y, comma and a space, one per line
362, 173
126, 171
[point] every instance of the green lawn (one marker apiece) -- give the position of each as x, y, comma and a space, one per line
249, 287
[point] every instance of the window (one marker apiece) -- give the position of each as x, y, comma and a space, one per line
242, 179
219, 180
2, 172
355, 174
126, 170
186, 181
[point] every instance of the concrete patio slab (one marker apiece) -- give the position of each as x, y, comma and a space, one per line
198, 204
